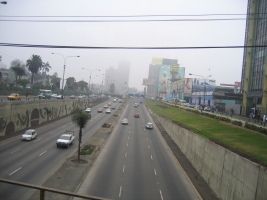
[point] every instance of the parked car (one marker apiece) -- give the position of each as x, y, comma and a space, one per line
72, 97
108, 111
124, 121
14, 96
207, 108
66, 139
149, 125
100, 110
136, 115
29, 135
60, 96
88, 110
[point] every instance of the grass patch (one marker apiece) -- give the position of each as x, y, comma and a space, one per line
87, 150
239, 139
106, 125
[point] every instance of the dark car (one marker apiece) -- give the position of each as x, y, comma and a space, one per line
100, 110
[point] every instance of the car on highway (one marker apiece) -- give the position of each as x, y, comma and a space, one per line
110, 103
29, 135
124, 121
60, 96
136, 115
66, 139
53, 96
149, 125
136, 104
108, 111
106, 106
88, 110
14, 96
113, 107
100, 110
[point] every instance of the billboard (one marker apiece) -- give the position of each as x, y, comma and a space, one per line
156, 61
164, 77
188, 85
200, 85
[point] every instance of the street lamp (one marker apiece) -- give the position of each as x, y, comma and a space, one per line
65, 60
204, 85
91, 71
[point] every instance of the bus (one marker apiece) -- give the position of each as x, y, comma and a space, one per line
44, 94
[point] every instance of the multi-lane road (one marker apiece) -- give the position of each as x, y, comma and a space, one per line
135, 163
35, 161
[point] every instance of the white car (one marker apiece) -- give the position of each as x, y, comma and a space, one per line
88, 110
124, 121
149, 125
29, 135
106, 106
66, 139
60, 96
108, 111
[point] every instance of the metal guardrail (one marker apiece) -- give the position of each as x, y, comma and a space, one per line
46, 189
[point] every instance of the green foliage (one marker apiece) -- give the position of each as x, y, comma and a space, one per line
256, 128
87, 150
80, 117
236, 122
241, 140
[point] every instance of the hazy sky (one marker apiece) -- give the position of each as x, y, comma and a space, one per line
75, 28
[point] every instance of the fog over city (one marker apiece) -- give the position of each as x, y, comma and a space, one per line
120, 23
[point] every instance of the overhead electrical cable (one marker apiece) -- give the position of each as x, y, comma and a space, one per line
98, 47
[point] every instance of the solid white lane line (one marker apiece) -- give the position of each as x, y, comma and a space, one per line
15, 150
155, 172
14, 171
123, 168
161, 196
151, 157
120, 191
42, 153
37, 140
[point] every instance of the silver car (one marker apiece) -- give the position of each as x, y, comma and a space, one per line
29, 135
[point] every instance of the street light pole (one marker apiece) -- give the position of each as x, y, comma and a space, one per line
204, 85
65, 60
91, 71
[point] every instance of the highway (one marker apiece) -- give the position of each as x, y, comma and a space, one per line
35, 161
136, 163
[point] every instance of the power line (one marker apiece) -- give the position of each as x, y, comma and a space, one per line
151, 48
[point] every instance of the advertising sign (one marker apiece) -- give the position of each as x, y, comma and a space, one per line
200, 85
188, 85
156, 61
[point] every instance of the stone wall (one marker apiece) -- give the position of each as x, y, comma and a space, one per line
230, 176
20, 115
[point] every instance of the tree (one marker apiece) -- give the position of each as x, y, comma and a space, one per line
34, 64
19, 69
80, 118
23, 82
55, 80
45, 67
82, 85
70, 83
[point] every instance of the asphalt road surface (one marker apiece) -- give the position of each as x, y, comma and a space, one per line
136, 163
35, 161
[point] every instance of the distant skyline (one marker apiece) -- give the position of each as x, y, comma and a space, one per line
75, 28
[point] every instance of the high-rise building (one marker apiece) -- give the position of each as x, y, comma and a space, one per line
118, 77
254, 69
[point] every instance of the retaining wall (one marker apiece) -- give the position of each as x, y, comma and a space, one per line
230, 176
20, 115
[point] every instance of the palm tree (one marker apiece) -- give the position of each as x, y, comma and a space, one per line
45, 67
80, 118
35, 65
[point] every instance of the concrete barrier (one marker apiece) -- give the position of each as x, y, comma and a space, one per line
20, 115
230, 176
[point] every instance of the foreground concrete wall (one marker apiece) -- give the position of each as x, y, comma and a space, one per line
230, 176
20, 115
